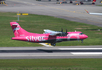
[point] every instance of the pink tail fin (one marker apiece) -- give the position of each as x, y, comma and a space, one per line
17, 30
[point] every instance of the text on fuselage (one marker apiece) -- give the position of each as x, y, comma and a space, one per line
32, 38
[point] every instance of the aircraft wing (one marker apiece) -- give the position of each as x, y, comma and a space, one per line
93, 13
52, 33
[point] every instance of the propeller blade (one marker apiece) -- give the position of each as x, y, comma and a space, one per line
61, 29
66, 30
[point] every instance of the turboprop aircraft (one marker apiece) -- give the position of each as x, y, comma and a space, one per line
93, 13
48, 36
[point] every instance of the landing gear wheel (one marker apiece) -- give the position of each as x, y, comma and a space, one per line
53, 44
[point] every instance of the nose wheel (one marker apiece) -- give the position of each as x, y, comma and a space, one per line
81, 41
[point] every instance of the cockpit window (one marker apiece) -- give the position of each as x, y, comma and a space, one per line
80, 33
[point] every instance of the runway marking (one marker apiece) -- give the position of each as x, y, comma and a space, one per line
86, 53
80, 48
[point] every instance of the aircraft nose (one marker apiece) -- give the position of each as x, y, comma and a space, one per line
85, 36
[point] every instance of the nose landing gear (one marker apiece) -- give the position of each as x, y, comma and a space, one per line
81, 41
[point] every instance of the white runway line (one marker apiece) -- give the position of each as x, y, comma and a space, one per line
80, 48
86, 53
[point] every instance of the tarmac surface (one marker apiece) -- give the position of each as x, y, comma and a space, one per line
66, 11
50, 52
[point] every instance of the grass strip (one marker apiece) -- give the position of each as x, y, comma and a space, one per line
50, 64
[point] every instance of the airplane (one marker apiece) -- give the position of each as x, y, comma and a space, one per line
93, 13
49, 36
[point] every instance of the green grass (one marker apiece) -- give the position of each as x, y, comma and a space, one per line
36, 24
51, 64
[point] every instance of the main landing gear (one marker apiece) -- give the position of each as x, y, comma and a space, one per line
53, 44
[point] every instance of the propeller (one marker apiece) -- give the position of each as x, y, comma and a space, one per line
61, 29
64, 33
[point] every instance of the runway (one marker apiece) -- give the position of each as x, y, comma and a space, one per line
50, 52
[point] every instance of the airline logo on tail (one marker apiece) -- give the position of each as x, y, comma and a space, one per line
15, 27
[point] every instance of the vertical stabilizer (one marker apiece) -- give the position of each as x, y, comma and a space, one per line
17, 30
